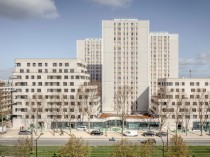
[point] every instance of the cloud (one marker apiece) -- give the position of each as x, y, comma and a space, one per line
114, 3
201, 59
22, 9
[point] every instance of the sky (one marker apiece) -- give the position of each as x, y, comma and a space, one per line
50, 28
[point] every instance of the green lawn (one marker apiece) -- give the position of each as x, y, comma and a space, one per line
101, 151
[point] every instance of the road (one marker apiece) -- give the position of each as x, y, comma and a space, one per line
98, 141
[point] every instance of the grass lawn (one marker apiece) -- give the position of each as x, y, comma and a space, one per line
101, 151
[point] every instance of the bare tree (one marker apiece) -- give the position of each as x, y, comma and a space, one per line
164, 110
178, 116
186, 112
5, 105
57, 110
70, 111
121, 103
88, 102
36, 106
202, 100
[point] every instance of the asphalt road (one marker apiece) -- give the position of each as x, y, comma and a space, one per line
98, 141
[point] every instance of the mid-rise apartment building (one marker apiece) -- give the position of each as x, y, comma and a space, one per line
47, 91
89, 50
164, 58
5, 104
125, 64
186, 101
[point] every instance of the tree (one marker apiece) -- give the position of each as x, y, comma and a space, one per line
178, 148
70, 111
178, 113
75, 147
5, 105
88, 102
186, 111
23, 147
121, 104
124, 148
146, 150
36, 106
164, 111
202, 101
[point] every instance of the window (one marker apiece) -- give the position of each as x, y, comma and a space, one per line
39, 77
71, 83
28, 64
64, 83
18, 64
39, 64
66, 64
54, 64
191, 83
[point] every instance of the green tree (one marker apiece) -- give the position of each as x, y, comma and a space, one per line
178, 148
146, 150
23, 147
124, 148
75, 147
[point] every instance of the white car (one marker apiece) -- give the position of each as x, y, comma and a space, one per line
131, 133
82, 128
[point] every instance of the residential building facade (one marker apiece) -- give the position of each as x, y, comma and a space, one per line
89, 50
5, 104
164, 58
125, 64
47, 92
185, 101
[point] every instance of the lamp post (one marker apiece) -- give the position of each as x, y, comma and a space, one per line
163, 146
36, 142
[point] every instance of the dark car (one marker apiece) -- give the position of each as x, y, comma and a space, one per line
160, 134
96, 132
149, 133
24, 132
149, 140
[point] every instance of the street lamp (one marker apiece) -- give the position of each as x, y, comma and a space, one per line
36, 142
163, 146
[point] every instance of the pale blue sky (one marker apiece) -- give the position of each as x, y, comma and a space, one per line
49, 29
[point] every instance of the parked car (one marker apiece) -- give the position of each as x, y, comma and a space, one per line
82, 128
24, 132
131, 133
96, 132
149, 133
3, 129
112, 139
160, 134
149, 140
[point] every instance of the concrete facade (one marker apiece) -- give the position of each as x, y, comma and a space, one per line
47, 91
125, 63
186, 101
89, 50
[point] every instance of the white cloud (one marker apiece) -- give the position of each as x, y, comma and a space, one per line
114, 3
20, 9
201, 59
